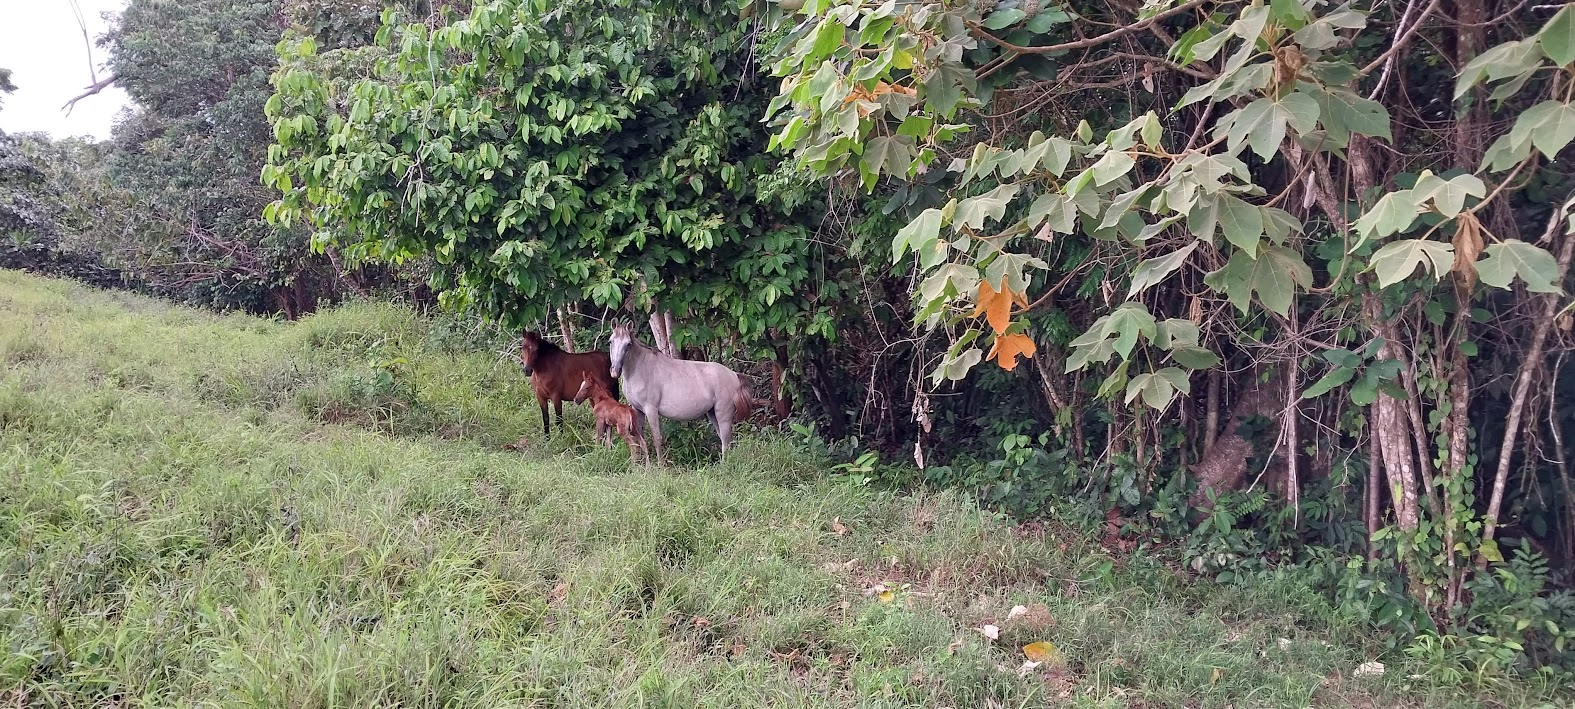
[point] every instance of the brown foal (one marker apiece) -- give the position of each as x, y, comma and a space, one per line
612, 415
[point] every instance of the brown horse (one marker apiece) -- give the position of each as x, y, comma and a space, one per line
556, 375
613, 416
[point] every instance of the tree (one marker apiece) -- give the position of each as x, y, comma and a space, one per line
1234, 211
582, 154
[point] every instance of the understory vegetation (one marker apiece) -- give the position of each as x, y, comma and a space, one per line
202, 509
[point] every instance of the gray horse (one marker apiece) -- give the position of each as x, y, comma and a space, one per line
657, 385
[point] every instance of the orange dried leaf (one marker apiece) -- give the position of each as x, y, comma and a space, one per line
995, 306
1008, 347
1043, 652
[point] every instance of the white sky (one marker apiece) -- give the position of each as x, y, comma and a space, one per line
41, 43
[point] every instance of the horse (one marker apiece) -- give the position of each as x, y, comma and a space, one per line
613, 416
555, 375
657, 385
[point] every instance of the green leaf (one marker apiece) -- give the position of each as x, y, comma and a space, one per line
1558, 37
975, 211
1048, 16
1272, 277
1336, 377
1176, 332
956, 368
1505, 60
1194, 357
1002, 19
1503, 262
1343, 113
889, 154
1055, 210
1241, 222
1549, 126
1491, 552
1158, 388
1448, 197
1152, 271
1321, 34
1111, 167
1394, 213
1262, 123
922, 230
1396, 261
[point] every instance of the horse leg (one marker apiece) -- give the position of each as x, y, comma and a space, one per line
724, 431
557, 405
546, 429
656, 432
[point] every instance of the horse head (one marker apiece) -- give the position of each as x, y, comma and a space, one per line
530, 344
622, 335
584, 392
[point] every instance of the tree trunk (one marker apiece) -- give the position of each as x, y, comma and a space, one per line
661, 336
566, 330
1528, 370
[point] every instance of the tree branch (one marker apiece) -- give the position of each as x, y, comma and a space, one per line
984, 34
97, 86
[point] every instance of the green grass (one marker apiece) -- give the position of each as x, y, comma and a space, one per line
224, 510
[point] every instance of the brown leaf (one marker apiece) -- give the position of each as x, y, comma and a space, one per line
1008, 347
1468, 246
701, 622
558, 592
954, 646
995, 306
838, 528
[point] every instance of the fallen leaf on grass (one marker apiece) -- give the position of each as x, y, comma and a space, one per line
887, 596
1043, 652
838, 528
990, 631
1028, 666
558, 592
954, 646
1215, 675
1016, 611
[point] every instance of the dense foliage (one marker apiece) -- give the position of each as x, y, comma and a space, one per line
551, 154
1238, 216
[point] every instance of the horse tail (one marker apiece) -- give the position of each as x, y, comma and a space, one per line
743, 401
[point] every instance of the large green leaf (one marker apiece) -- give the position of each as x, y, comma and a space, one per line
889, 154
1500, 62
1558, 37
975, 211
1158, 388
1241, 222
1262, 123
1394, 213
1549, 126
1448, 196
1152, 271
1321, 33
1272, 277
1503, 262
1343, 113
922, 230
1396, 261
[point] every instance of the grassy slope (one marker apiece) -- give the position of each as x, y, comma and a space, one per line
178, 525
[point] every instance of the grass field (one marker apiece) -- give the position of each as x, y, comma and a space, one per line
224, 510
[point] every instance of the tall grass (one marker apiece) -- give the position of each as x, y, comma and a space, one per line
223, 510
